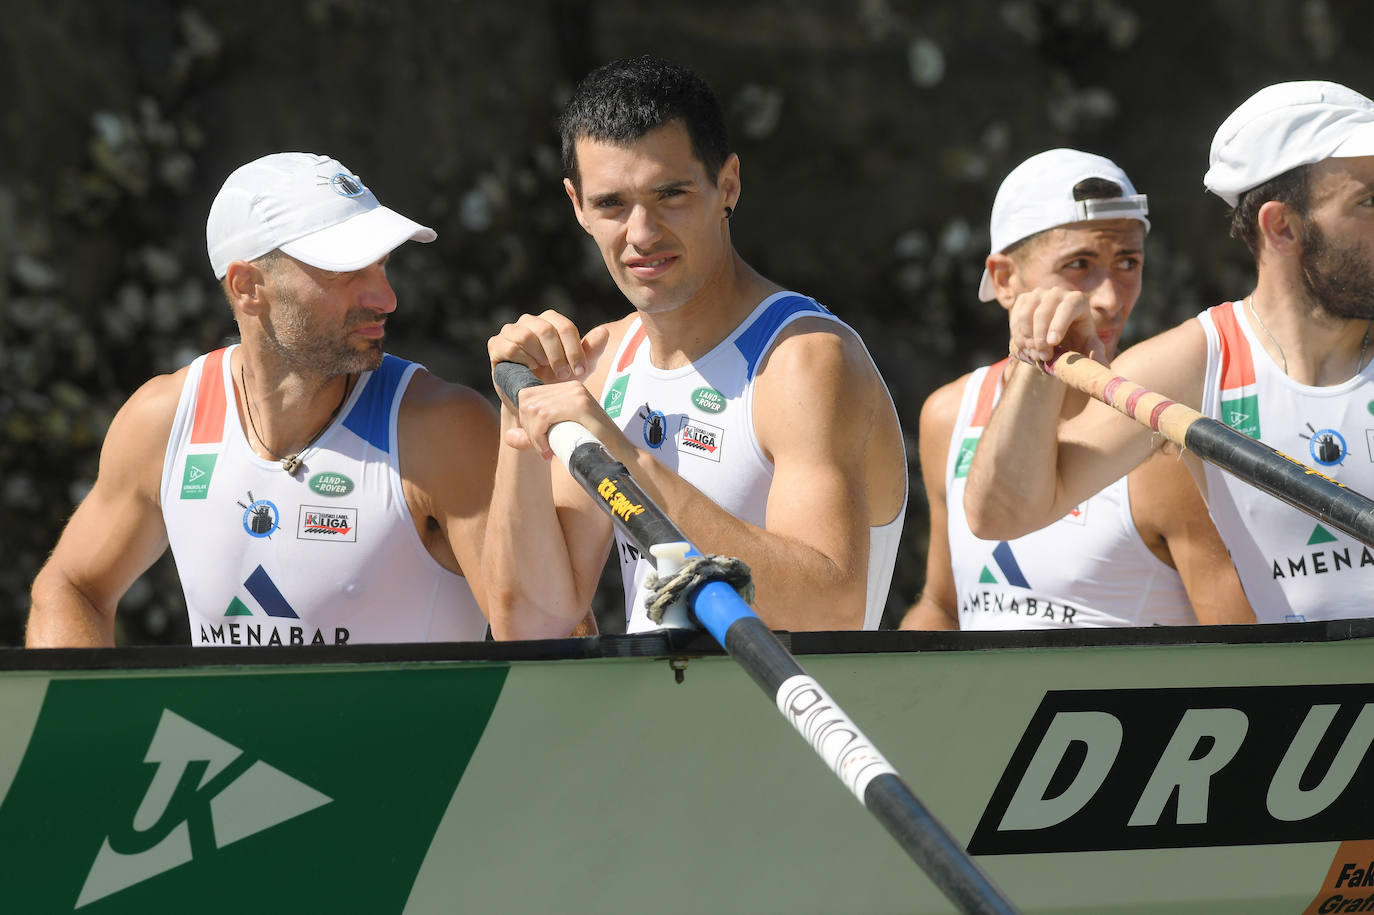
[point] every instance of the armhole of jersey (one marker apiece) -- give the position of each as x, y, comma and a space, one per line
976, 401
201, 413
756, 341
396, 377
1229, 363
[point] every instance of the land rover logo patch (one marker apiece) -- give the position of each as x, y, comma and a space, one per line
333, 485
709, 399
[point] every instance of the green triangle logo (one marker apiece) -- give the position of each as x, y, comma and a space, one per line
1321, 535
987, 578
238, 608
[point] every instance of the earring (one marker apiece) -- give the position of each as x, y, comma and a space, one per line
729, 211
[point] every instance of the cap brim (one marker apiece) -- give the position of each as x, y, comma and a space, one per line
358, 242
986, 291
1359, 143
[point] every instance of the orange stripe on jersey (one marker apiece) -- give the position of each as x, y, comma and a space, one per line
983, 410
208, 426
1237, 368
629, 355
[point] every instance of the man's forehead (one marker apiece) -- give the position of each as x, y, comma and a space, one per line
1335, 175
1121, 233
666, 149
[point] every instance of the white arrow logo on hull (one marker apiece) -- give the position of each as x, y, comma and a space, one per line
260, 798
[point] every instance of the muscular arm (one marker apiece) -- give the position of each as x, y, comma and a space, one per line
546, 541
1031, 469
448, 440
1172, 519
938, 606
817, 404
117, 531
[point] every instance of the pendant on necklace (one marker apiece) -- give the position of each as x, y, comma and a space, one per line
291, 463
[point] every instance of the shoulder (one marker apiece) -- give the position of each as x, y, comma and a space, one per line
941, 407
152, 408
815, 350
136, 442
615, 335
1173, 362
430, 398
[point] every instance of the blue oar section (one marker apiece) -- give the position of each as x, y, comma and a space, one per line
800, 699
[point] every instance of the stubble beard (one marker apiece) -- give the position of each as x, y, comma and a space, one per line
308, 350
1339, 279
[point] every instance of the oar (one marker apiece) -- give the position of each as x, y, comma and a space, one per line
1248, 459
802, 701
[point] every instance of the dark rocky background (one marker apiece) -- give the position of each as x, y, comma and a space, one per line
873, 135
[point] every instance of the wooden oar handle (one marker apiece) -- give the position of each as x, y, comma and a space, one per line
1155, 411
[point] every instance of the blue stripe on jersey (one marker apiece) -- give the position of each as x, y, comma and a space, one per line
370, 418
265, 592
1009, 566
755, 339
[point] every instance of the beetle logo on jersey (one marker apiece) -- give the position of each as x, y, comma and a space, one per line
260, 517
655, 426
1327, 446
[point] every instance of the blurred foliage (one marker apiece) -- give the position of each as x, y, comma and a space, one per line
873, 136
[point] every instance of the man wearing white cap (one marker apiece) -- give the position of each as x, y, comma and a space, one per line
1142, 551
313, 490
1288, 363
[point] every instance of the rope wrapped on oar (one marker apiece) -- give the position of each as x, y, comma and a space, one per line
665, 590
1248, 459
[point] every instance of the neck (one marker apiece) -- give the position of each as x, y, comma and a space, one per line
681, 335
1311, 346
282, 413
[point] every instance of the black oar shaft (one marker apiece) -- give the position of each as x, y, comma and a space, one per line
800, 699
1248, 459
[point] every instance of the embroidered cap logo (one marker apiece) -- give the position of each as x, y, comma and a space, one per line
347, 185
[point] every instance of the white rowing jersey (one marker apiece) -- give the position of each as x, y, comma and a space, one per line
1088, 569
698, 420
1292, 566
328, 556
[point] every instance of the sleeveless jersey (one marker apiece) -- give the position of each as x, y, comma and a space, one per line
1088, 569
698, 420
1292, 566
328, 556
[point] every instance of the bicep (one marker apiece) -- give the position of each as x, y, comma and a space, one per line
117, 531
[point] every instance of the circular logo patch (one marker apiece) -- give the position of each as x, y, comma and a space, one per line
1327, 447
261, 518
655, 428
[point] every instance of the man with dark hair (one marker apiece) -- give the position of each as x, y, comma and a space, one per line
1288, 364
751, 414
313, 489
1142, 551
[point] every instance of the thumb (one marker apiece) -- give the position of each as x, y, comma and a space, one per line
594, 343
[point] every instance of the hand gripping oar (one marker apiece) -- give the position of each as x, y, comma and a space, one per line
802, 701
1248, 459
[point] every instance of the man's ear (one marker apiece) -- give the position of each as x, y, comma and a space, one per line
728, 181
1280, 228
244, 282
576, 204
1002, 271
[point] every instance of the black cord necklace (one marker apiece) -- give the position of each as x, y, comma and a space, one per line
291, 462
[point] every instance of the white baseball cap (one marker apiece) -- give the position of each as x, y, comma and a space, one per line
1038, 195
1284, 126
311, 207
